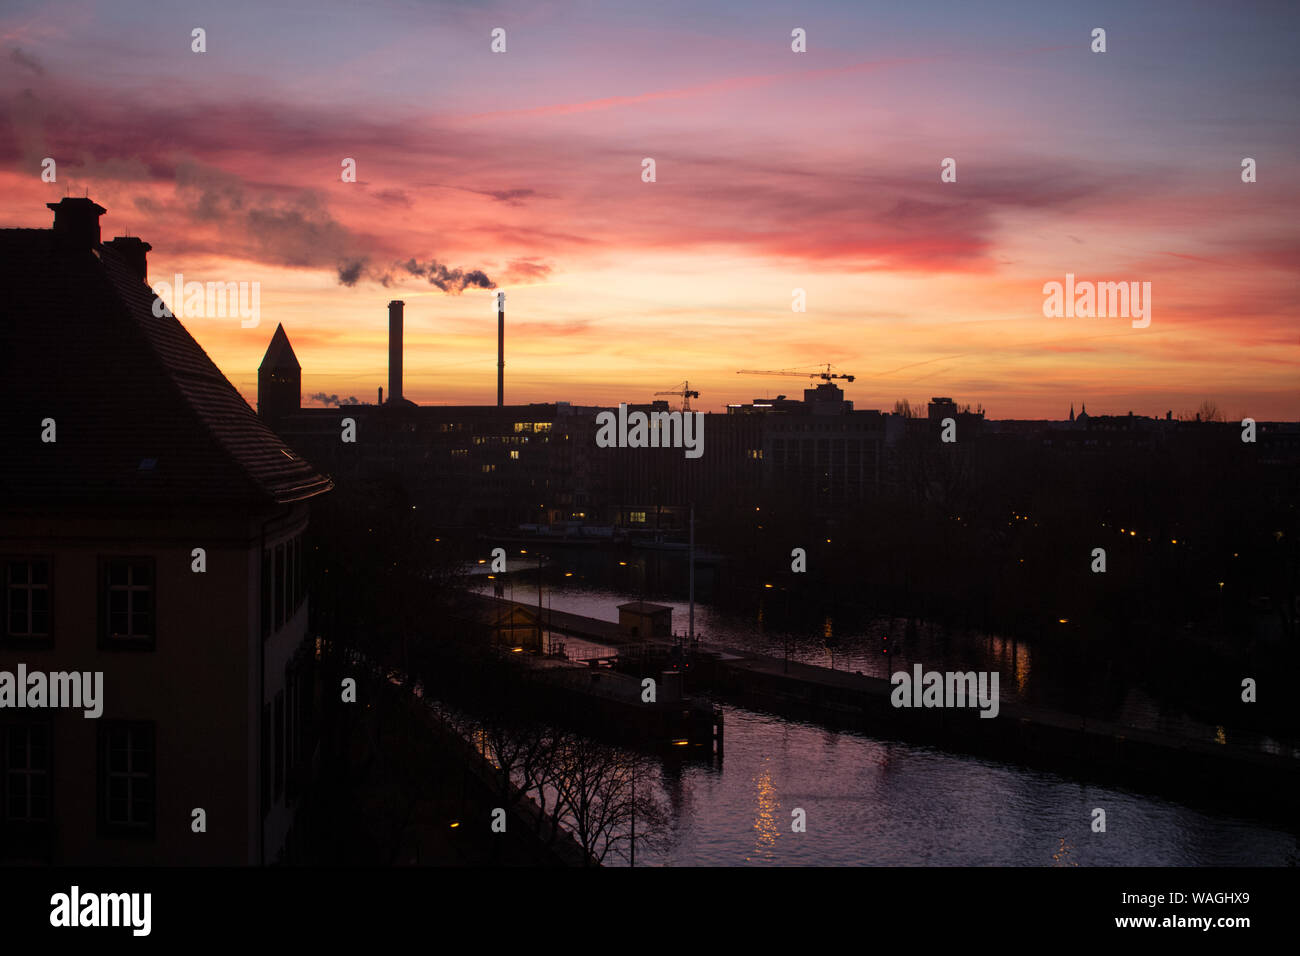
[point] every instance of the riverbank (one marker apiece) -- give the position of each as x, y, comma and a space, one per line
1193, 771
396, 786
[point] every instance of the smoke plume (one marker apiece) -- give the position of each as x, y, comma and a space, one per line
451, 281
328, 400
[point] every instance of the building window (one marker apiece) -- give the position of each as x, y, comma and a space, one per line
27, 598
300, 579
291, 578
279, 744
514, 456
267, 594
283, 584
126, 777
266, 758
638, 517
128, 602
27, 773
290, 739
489, 468
278, 575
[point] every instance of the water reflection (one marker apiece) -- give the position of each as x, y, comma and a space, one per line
1062, 855
766, 818
894, 804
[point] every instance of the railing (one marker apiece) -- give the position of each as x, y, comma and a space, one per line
592, 654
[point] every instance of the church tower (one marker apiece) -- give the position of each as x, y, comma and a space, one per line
279, 380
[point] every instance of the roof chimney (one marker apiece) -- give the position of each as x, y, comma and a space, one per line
133, 251
76, 222
395, 350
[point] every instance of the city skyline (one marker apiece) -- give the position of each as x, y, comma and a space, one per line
447, 437
823, 175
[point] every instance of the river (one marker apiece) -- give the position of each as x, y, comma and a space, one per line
868, 801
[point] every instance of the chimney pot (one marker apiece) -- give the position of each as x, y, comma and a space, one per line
133, 250
76, 222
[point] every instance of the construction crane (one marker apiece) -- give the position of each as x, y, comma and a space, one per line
685, 391
824, 376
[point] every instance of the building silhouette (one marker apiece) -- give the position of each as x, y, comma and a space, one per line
150, 530
279, 379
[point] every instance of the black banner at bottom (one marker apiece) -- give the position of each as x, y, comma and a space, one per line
439, 905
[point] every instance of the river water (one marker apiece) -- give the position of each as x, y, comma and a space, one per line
884, 803
868, 801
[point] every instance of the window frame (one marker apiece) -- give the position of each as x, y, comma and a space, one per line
266, 757
115, 828
45, 638
6, 728
130, 643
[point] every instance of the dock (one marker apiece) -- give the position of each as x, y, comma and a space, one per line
591, 693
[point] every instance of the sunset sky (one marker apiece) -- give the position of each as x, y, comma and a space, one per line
775, 170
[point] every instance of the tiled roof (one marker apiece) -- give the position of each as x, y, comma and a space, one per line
142, 414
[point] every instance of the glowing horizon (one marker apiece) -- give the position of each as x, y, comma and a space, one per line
775, 171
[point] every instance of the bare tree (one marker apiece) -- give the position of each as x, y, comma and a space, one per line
607, 792
1209, 412
603, 795
539, 769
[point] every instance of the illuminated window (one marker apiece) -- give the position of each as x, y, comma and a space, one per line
487, 468
514, 455
638, 517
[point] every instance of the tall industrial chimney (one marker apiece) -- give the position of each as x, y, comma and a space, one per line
501, 349
395, 350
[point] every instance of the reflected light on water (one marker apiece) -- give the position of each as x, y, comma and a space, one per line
1062, 855
766, 823
1015, 656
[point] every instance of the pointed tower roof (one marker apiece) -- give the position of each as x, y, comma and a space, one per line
279, 354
